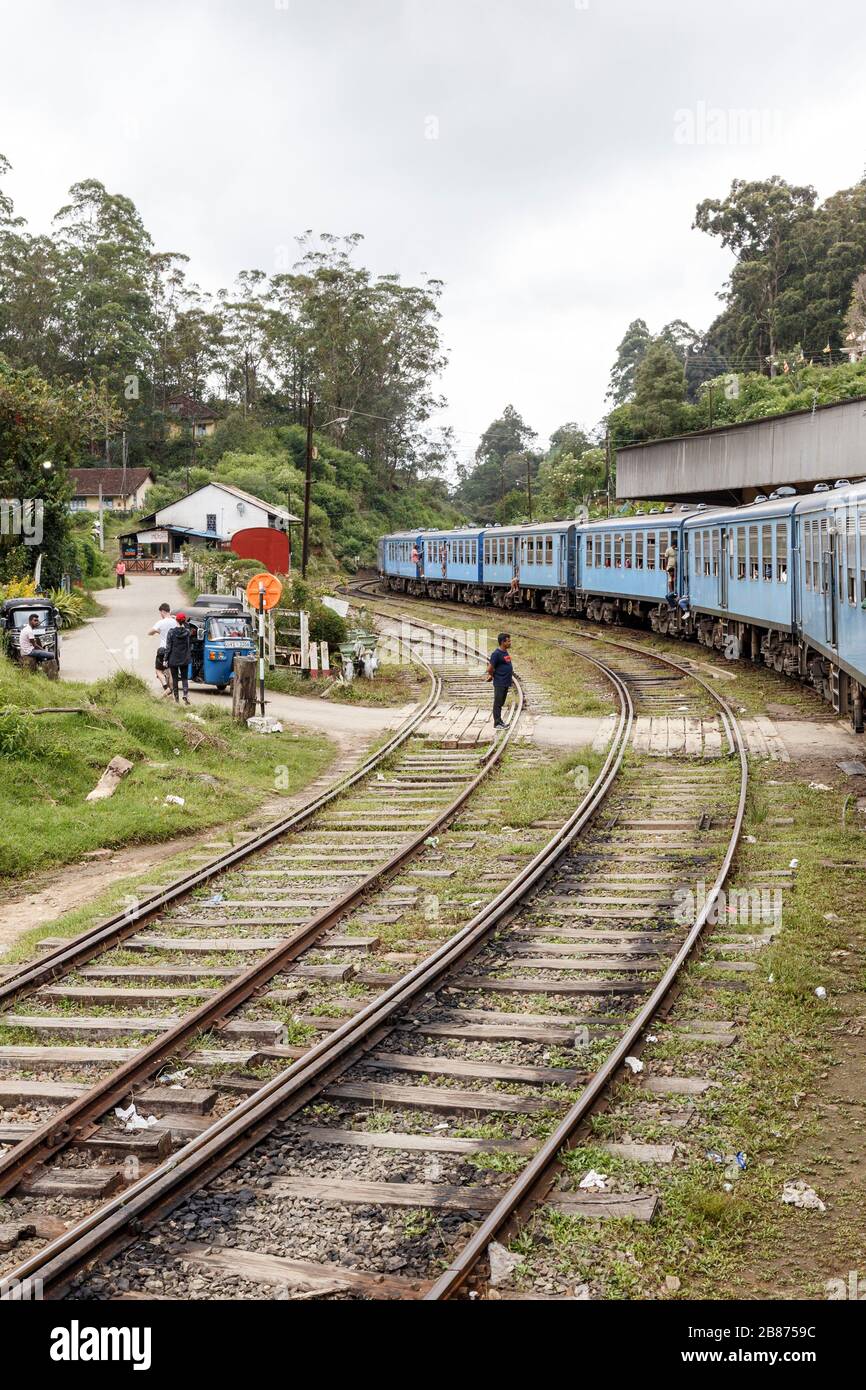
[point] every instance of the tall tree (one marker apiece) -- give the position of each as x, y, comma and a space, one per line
659, 394
501, 462
629, 356
766, 224
855, 318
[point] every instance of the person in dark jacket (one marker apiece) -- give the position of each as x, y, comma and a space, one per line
500, 672
178, 655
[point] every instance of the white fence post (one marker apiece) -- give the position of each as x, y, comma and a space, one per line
305, 640
326, 659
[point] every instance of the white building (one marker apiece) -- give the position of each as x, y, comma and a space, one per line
210, 515
217, 510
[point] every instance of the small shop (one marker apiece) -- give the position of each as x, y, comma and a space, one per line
159, 549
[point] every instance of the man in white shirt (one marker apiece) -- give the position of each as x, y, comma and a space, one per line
161, 630
29, 644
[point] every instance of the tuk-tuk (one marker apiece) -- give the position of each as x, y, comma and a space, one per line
220, 633
15, 614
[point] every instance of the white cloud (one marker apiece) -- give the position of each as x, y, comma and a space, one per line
555, 201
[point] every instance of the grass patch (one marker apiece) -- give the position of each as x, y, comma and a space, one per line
49, 764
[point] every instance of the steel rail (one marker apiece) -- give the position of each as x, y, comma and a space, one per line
536, 1178
114, 929
64, 1126
125, 1216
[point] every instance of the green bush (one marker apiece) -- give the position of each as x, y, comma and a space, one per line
106, 691
326, 625
15, 739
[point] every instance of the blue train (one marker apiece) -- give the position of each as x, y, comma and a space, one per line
782, 579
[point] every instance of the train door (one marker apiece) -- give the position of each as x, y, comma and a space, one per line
829, 562
562, 569
723, 568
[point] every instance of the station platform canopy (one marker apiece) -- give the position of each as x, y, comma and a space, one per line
734, 463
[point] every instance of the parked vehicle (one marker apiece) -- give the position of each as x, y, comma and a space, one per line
220, 633
15, 614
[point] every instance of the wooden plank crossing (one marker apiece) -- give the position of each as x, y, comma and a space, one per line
300, 1275
601, 1206
411, 1143
433, 1196
434, 1097
460, 1066
538, 985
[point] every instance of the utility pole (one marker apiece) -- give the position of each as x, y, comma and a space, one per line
607, 470
308, 482
529, 484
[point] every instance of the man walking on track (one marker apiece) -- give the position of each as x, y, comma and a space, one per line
120, 571
161, 629
501, 673
178, 654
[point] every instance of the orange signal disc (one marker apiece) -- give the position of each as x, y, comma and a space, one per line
267, 583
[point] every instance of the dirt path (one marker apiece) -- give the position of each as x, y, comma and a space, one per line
117, 640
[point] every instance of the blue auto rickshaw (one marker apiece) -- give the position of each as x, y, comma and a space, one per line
220, 633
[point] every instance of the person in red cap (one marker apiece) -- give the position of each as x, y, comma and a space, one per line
178, 655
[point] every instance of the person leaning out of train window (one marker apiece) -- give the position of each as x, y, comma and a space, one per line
671, 564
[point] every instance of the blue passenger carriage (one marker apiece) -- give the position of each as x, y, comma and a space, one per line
400, 560
739, 566
831, 593
532, 564
621, 568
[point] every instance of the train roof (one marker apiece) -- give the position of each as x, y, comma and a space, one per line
528, 528
840, 496
644, 520
750, 511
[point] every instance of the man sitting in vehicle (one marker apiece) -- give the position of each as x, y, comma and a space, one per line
30, 643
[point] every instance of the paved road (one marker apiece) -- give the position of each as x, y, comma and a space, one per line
118, 640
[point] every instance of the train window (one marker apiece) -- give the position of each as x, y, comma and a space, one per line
617, 550
529, 549
628, 549
754, 561
638, 550
767, 553
782, 552
607, 549
650, 550
511, 550
826, 572
597, 544
548, 550
741, 552
486, 551
697, 552
588, 552
716, 545
664, 542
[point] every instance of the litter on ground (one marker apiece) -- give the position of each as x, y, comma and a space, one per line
799, 1194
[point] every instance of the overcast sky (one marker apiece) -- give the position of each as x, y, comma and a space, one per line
543, 157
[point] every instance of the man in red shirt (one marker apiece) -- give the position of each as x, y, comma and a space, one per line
120, 571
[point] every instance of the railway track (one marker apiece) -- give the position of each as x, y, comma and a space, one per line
449, 1094
187, 998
